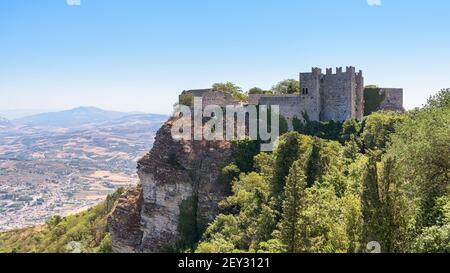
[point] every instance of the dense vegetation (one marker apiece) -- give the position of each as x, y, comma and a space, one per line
384, 180
83, 232
372, 99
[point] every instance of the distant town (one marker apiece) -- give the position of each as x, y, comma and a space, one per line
49, 170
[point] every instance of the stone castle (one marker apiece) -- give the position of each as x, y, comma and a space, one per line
323, 97
184, 177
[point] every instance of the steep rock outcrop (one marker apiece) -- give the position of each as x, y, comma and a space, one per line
173, 172
125, 222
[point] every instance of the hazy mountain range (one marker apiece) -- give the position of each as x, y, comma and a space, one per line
5, 124
74, 117
13, 114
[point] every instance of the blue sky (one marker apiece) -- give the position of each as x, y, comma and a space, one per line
139, 54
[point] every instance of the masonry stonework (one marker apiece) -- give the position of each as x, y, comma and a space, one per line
331, 96
289, 106
325, 96
393, 99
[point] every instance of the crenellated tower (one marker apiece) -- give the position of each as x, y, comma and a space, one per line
329, 96
310, 93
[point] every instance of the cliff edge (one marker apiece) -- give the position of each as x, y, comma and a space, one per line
176, 198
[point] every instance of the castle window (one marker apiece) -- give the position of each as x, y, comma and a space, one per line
304, 91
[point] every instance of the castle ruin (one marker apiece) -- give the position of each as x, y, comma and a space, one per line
323, 97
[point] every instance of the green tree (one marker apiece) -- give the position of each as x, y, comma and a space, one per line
229, 174
231, 88
243, 152
327, 130
54, 221
292, 206
372, 99
321, 225
284, 127
188, 229
186, 99
297, 124
421, 148
257, 90
106, 244
395, 210
350, 130
385, 207
289, 86
435, 239
250, 219
291, 147
352, 215
352, 149
377, 129
222, 236
264, 164
324, 163
371, 204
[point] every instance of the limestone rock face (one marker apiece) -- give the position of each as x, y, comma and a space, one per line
125, 221
171, 173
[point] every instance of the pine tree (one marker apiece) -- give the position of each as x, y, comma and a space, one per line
371, 204
292, 207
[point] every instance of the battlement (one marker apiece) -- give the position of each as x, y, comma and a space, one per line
316, 71
339, 71
332, 96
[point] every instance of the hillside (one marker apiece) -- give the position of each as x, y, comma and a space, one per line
83, 232
47, 171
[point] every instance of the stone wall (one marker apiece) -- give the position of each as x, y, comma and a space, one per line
197, 92
210, 97
253, 99
289, 106
219, 98
393, 99
310, 94
322, 97
359, 111
341, 95
390, 99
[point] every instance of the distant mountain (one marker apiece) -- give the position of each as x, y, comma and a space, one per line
73, 118
5, 123
20, 113
137, 123
140, 118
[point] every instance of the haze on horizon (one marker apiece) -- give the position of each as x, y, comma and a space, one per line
138, 56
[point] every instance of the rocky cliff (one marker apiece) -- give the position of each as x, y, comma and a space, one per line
178, 179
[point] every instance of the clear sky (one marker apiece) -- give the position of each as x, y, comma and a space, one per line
139, 54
